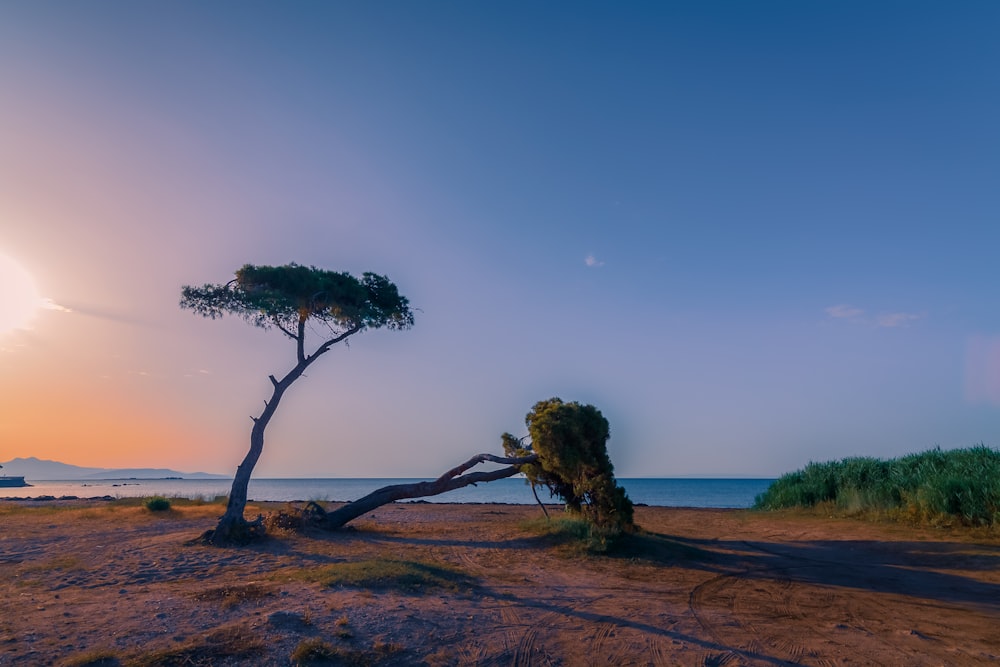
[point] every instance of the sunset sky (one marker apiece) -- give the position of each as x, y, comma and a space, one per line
753, 234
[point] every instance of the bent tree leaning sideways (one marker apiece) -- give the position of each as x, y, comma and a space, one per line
288, 298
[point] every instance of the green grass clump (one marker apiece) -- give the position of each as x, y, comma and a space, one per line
961, 485
315, 651
387, 573
157, 504
575, 534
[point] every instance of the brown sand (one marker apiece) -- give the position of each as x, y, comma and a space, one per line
702, 587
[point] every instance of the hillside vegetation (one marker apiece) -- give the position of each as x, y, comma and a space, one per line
961, 485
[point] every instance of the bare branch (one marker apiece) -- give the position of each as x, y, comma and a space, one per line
449, 481
280, 326
480, 458
333, 341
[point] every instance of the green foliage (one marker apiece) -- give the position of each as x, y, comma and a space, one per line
287, 296
390, 573
157, 504
963, 484
570, 440
576, 535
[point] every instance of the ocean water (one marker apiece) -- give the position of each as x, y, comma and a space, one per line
716, 493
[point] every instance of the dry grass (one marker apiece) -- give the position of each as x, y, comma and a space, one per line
695, 587
318, 652
234, 595
237, 641
389, 573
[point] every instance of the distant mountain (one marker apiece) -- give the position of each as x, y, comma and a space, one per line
32, 468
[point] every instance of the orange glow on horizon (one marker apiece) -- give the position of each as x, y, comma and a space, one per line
74, 425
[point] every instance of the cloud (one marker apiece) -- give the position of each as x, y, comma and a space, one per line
593, 262
896, 319
889, 320
844, 311
49, 304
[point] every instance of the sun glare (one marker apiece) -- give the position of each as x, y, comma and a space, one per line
19, 299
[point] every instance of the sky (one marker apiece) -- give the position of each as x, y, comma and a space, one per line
753, 235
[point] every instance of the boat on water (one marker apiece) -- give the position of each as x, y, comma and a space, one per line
12, 481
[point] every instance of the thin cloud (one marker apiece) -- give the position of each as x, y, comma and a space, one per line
890, 320
844, 311
593, 262
49, 304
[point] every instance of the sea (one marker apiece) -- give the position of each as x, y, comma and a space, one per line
668, 492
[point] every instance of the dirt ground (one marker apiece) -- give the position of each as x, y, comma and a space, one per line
101, 583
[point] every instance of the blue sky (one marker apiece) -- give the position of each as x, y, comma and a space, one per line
753, 234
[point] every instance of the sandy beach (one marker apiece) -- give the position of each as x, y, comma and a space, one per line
101, 583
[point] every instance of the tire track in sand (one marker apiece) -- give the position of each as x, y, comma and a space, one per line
726, 606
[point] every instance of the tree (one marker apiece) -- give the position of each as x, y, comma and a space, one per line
567, 454
570, 441
289, 298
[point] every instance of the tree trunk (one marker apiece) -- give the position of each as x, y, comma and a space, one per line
449, 481
233, 528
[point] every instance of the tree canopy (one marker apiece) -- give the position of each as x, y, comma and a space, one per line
285, 296
570, 441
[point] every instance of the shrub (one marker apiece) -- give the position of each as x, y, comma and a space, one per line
157, 504
962, 484
570, 441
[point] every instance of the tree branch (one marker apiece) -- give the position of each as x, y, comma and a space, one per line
281, 328
449, 481
333, 341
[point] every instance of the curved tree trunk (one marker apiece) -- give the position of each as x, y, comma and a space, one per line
449, 481
233, 527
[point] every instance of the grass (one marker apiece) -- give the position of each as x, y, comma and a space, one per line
66, 563
934, 487
315, 651
574, 535
92, 658
157, 504
411, 576
237, 642
233, 596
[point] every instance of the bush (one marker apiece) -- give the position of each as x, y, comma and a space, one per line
570, 441
157, 504
962, 485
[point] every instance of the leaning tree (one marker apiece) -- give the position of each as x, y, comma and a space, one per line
289, 298
565, 450
569, 443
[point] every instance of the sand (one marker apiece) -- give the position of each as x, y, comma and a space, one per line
91, 580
